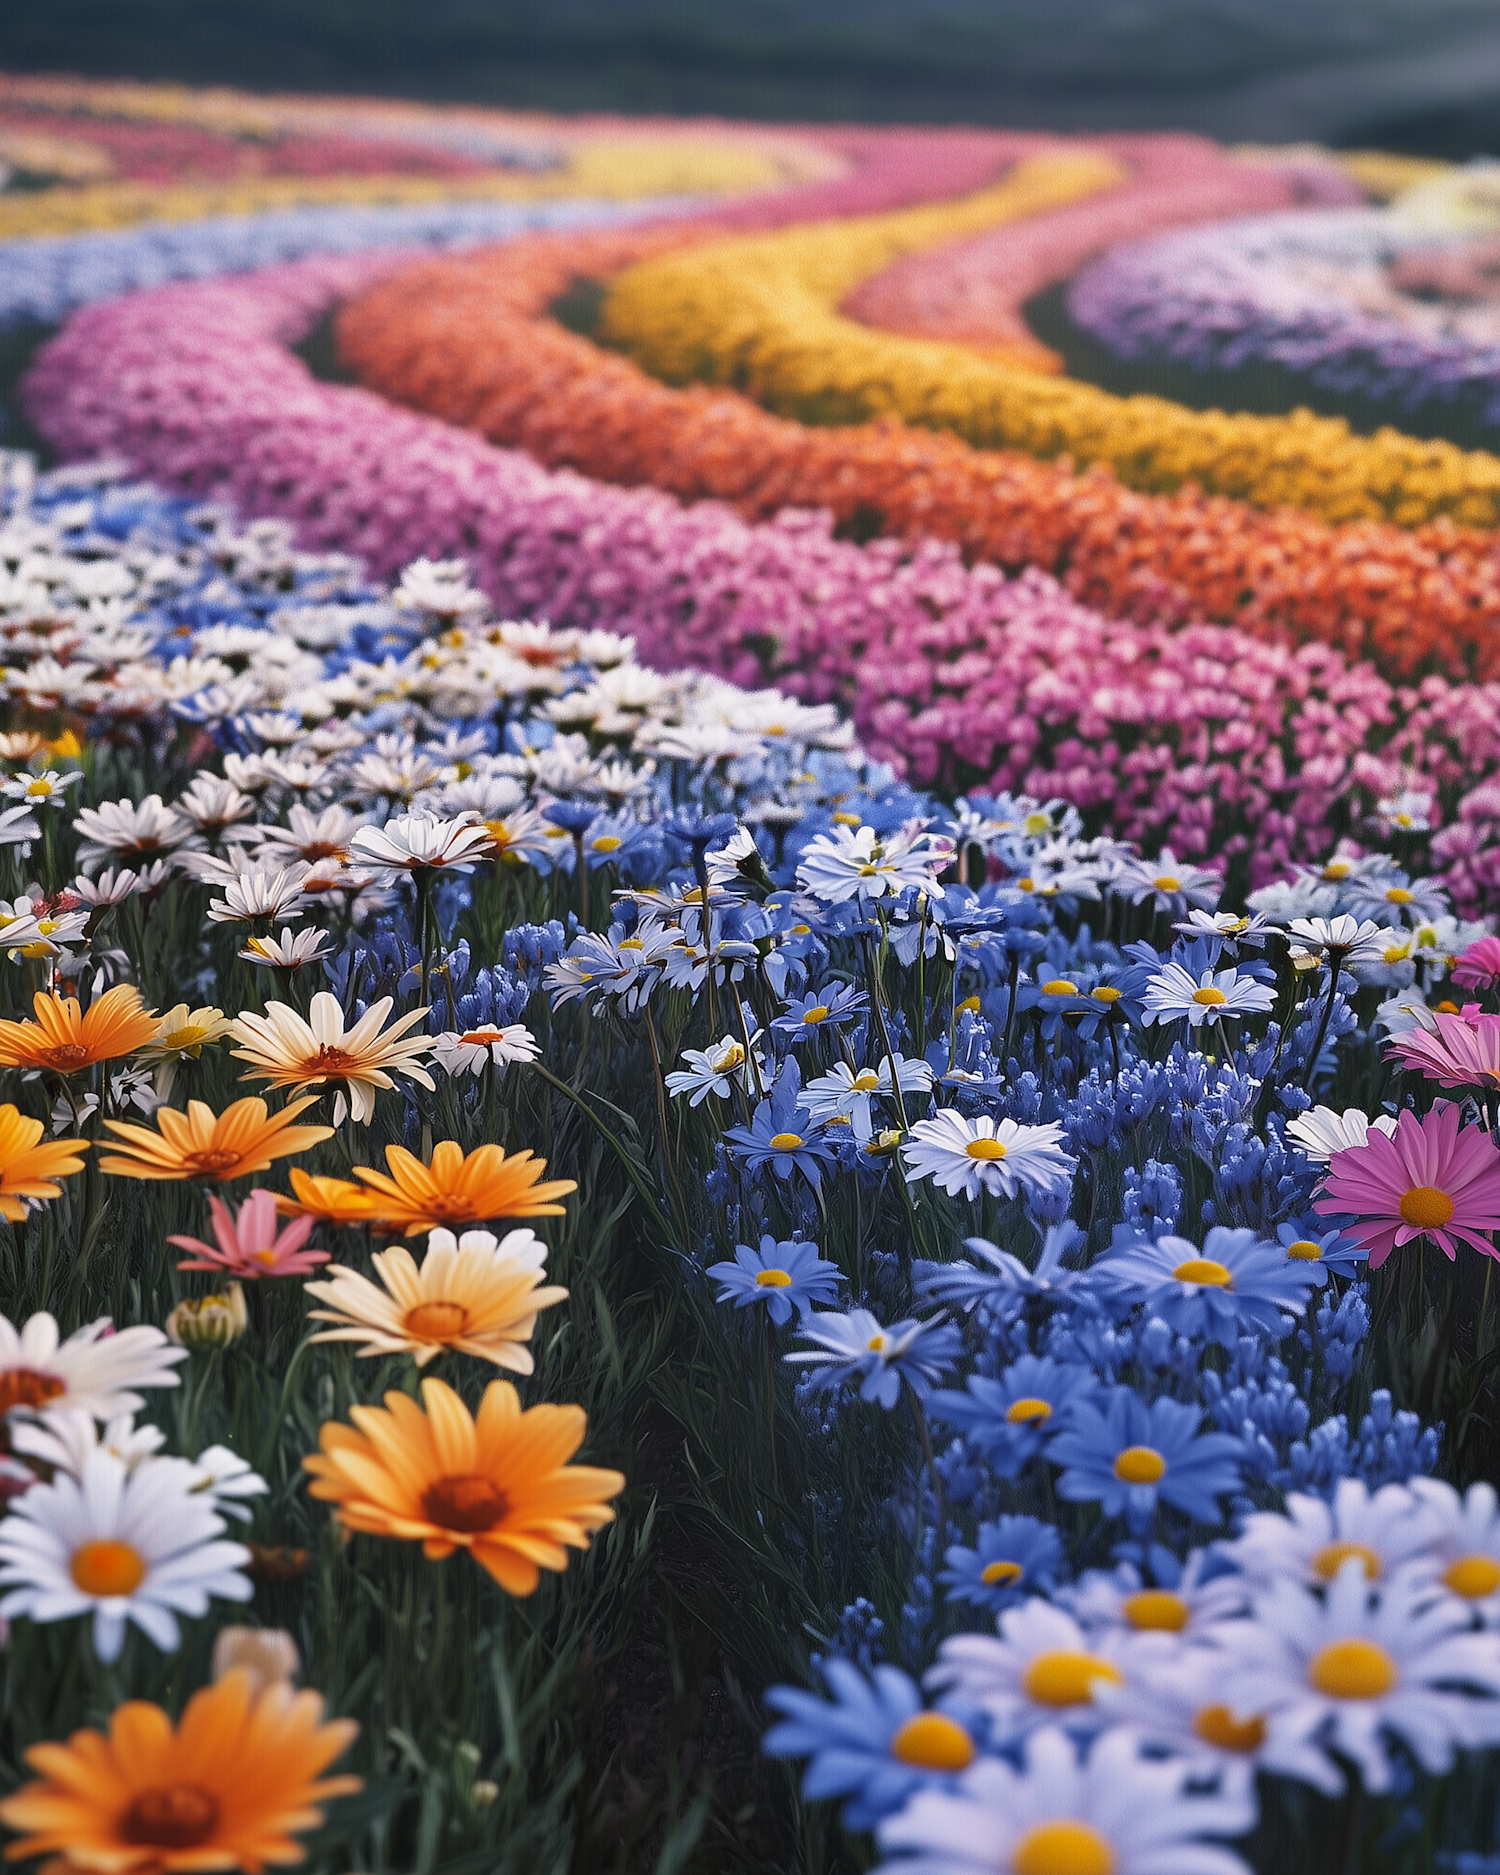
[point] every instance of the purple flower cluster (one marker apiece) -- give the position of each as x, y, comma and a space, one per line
1279, 290
1201, 738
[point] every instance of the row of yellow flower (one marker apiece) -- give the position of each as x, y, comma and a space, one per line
607, 169
761, 313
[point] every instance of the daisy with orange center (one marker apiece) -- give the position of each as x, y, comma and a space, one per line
228, 1787
474, 1294
451, 1190
289, 1051
64, 1038
498, 1485
200, 1144
27, 1170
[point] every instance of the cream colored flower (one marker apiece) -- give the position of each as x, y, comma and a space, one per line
475, 1294
289, 1051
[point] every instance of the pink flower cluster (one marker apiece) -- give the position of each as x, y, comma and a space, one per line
973, 291
1201, 738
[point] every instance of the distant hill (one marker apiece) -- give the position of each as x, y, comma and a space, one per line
1423, 74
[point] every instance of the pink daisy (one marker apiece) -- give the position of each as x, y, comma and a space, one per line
1429, 1179
1461, 1051
250, 1244
1478, 968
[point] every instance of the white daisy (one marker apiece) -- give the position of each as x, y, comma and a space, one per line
715, 1070
1384, 1529
261, 893
1170, 885
1338, 1671
222, 1478
844, 1094
1174, 993
848, 864
1040, 1668
1348, 941
964, 1157
1120, 1600
131, 830
417, 842
1465, 1543
1109, 1811
291, 951
95, 1370
468, 1052
65, 1440
1323, 1131
124, 1545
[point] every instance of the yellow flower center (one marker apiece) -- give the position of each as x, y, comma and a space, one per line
993, 1574
843, 819
933, 1742
436, 1321
1105, 993
107, 1567
465, 1502
188, 1036
1473, 1577
772, 1279
1336, 869
786, 1142
1217, 1725
985, 1149
1064, 1678
1140, 1464
170, 1816
39, 788
1424, 1207
1036, 824
1209, 997
631, 944
877, 1344
607, 843
1026, 885
1059, 986
1353, 1669
969, 1006
1397, 953
818, 1013
1157, 1611
1304, 1250
1332, 1557
865, 1082
1205, 1273
1398, 895
1062, 1849
1167, 882
1027, 1412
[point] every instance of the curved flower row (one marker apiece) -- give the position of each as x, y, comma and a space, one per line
762, 314
973, 291
1207, 738
469, 340
1310, 293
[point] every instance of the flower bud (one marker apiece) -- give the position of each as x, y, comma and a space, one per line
269, 1654
206, 1322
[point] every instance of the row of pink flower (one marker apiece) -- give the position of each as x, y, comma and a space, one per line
1216, 743
973, 291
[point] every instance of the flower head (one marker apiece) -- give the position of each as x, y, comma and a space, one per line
28, 1170
497, 1484
454, 1189
287, 1051
1323, 1131
64, 1038
476, 1294
200, 1144
1174, 993
1478, 968
95, 1370
475, 1049
249, 1244
1010, 1418
1237, 1281
965, 1156
782, 1276
229, 1786
855, 1346
1131, 1455
1457, 1051
1011, 1557
122, 1544
1432, 1178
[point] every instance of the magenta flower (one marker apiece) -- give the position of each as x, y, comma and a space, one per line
1464, 1051
250, 1245
1478, 968
1432, 1178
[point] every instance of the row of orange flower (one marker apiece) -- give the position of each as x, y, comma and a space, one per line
470, 340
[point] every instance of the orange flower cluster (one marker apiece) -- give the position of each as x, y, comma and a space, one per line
470, 339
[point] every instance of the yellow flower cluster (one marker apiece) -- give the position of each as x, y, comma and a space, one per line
761, 313
607, 169
1383, 175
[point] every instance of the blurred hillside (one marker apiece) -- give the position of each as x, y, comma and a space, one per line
1419, 74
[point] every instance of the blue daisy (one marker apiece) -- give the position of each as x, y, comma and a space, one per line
1010, 1419
783, 1276
1325, 1252
1012, 1557
782, 1133
1238, 1281
1131, 1455
872, 1742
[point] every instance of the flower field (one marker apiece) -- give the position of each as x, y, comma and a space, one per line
749, 1043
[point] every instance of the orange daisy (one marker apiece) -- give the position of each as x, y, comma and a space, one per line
244, 1138
458, 1190
27, 1169
498, 1484
329, 1200
64, 1039
226, 1789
